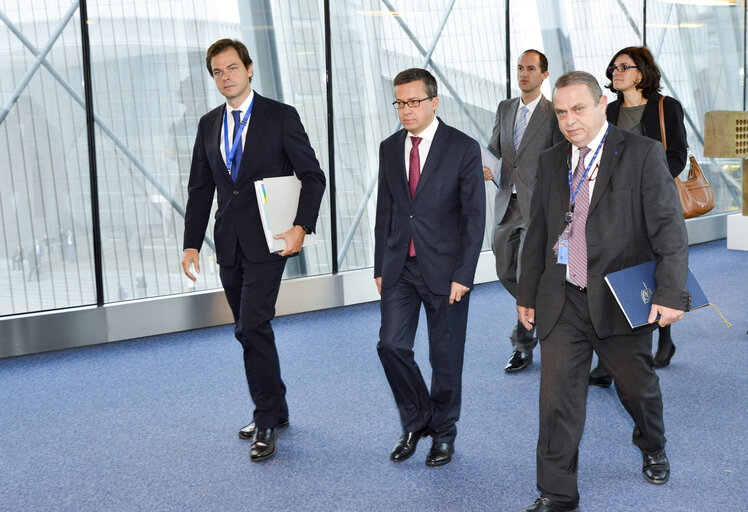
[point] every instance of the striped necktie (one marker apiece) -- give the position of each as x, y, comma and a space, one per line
578, 235
520, 126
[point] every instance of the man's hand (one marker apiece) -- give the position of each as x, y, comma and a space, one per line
667, 315
526, 316
457, 291
487, 174
294, 238
378, 280
191, 256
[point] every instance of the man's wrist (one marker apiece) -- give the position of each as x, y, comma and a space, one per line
306, 229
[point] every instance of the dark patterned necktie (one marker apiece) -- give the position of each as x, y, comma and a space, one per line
414, 174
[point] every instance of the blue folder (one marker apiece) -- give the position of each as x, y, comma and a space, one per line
634, 287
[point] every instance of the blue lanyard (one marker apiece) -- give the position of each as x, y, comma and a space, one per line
238, 138
574, 192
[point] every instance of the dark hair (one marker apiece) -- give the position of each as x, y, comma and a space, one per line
221, 46
580, 77
415, 74
541, 56
645, 63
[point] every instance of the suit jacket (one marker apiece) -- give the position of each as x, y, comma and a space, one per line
520, 167
445, 217
276, 145
675, 130
634, 216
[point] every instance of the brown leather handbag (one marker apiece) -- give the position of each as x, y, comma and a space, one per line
696, 195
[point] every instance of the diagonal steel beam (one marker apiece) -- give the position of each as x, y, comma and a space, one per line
436, 69
100, 123
38, 62
373, 181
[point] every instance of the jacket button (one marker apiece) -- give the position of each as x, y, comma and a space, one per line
563, 283
412, 215
236, 192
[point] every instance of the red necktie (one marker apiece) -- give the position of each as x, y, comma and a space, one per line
578, 236
414, 174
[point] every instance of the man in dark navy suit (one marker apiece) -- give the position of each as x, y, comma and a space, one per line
244, 140
429, 230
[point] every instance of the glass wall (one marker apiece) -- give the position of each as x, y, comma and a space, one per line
461, 42
150, 87
45, 230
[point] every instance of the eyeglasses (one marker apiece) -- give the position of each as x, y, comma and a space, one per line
411, 103
621, 68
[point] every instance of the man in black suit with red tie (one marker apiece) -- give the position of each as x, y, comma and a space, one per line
603, 201
249, 138
428, 235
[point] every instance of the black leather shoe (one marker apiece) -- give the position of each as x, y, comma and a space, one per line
599, 377
656, 468
249, 431
545, 505
518, 362
263, 444
440, 454
406, 446
662, 362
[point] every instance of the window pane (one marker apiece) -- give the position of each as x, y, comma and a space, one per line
371, 42
699, 50
45, 208
151, 87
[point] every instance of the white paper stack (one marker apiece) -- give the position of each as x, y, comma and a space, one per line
277, 201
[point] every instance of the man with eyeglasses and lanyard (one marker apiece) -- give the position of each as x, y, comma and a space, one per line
249, 138
603, 201
429, 230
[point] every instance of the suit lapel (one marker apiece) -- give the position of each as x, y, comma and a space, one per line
214, 151
400, 178
509, 123
608, 162
436, 153
538, 118
562, 183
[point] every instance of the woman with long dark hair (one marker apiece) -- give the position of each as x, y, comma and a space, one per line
635, 79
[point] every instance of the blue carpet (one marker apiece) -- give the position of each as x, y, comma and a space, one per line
151, 424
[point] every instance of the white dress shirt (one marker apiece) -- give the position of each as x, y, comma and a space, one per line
230, 118
424, 146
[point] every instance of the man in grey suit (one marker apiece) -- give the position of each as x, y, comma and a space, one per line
524, 127
603, 201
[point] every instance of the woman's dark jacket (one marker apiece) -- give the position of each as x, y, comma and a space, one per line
675, 130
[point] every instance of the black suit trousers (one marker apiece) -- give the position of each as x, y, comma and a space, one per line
439, 409
566, 357
252, 289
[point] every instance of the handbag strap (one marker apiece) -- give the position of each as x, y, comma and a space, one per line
662, 123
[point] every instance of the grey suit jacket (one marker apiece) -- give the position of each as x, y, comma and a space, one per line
520, 168
634, 217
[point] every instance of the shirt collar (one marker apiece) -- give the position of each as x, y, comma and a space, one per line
596, 141
429, 132
244, 106
531, 106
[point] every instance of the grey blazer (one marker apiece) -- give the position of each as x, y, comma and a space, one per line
635, 216
519, 168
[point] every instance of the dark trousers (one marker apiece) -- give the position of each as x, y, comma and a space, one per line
252, 289
508, 239
567, 354
439, 409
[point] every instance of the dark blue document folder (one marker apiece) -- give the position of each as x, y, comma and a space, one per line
633, 288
